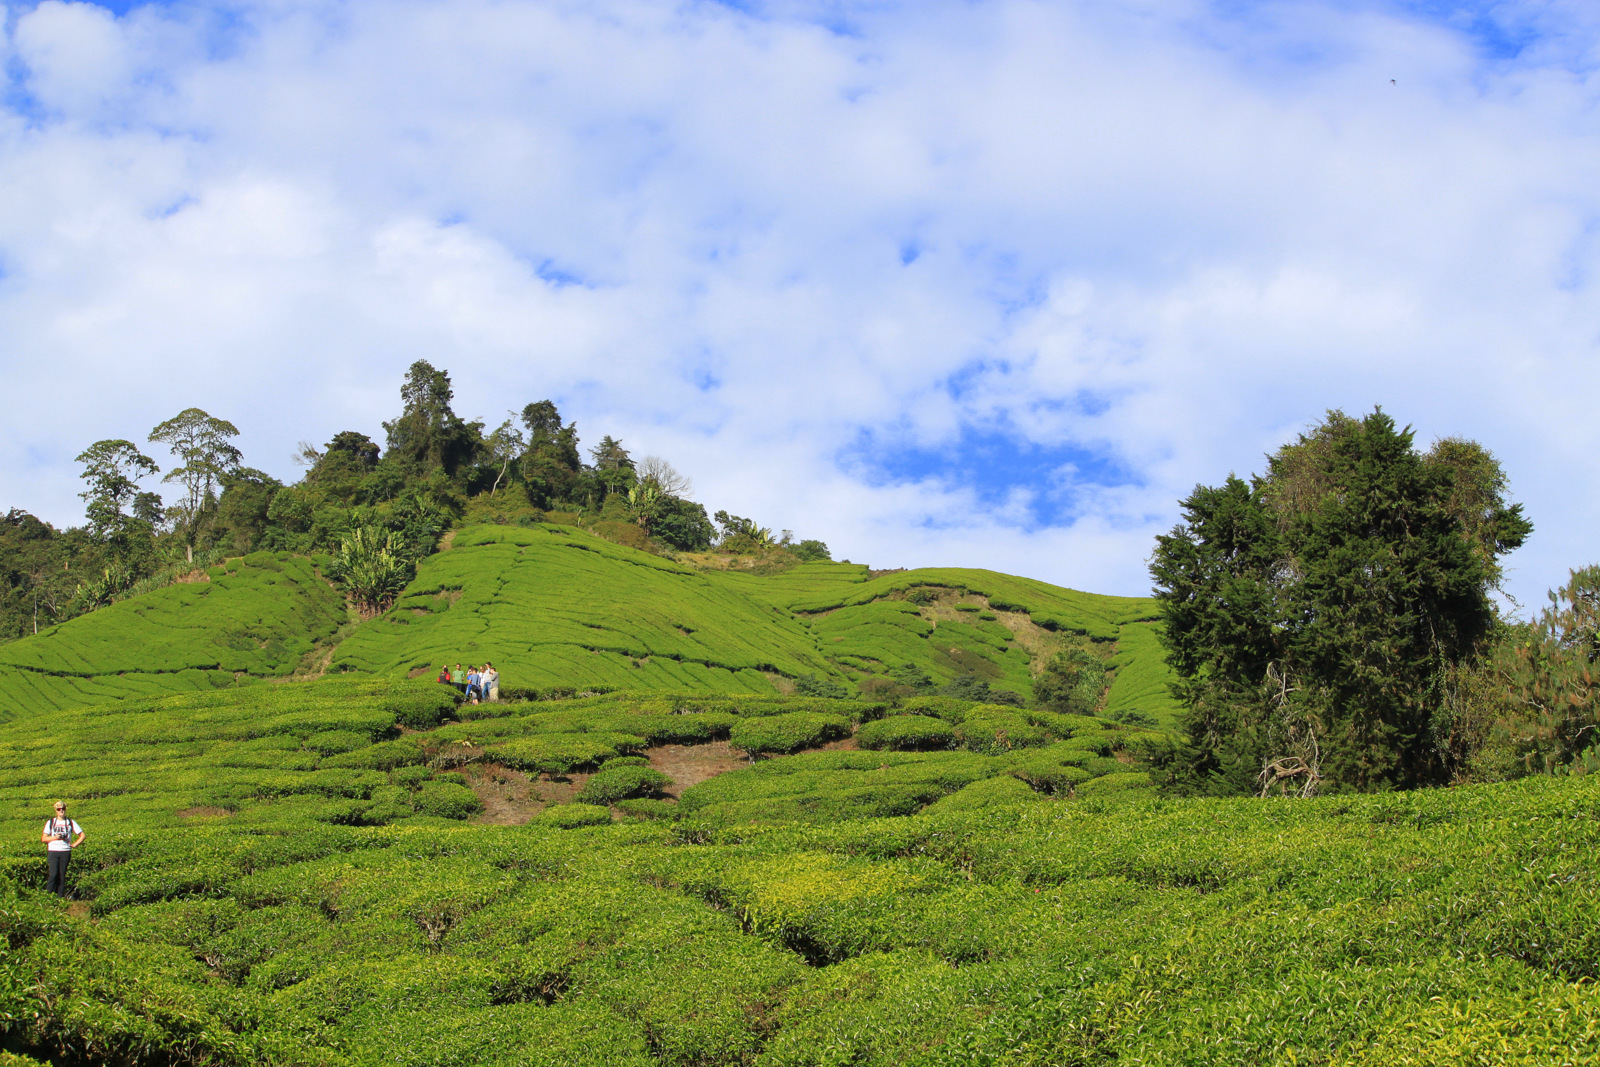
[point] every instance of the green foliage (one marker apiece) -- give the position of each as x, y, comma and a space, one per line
984, 793
906, 733
370, 567
613, 783
788, 732
606, 615
1039, 906
810, 685
1553, 671
1316, 614
252, 618
572, 816
975, 689
1072, 681
446, 800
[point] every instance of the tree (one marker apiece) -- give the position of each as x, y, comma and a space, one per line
243, 511
551, 464
683, 525
1553, 670
1315, 615
653, 470
428, 434
206, 455
504, 445
1072, 681
342, 468
113, 469
613, 468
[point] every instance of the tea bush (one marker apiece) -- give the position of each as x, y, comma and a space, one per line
613, 783
906, 732
788, 732
446, 800
571, 816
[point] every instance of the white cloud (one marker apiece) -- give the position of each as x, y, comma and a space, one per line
1161, 233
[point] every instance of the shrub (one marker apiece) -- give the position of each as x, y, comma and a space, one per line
560, 753
624, 761
1117, 782
446, 800
383, 756
789, 732
907, 733
334, 742
1046, 772
645, 808
570, 816
620, 783
810, 685
992, 730
984, 794
410, 777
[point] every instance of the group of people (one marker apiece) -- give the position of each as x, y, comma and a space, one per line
476, 683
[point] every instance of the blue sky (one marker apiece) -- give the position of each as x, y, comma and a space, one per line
967, 283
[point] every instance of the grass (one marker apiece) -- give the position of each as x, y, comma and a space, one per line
252, 618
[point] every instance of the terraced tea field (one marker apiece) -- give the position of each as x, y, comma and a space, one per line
246, 620
556, 607
551, 606
290, 875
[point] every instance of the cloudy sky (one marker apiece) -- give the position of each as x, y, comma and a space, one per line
983, 283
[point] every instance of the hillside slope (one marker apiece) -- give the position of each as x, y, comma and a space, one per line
555, 606
248, 619
550, 605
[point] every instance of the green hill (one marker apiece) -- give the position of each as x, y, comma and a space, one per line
550, 605
249, 619
553, 606
280, 874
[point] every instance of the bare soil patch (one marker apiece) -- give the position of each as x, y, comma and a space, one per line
690, 765
202, 811
511, 798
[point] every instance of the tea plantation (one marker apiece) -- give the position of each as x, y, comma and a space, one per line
249, 619
292, 874
550, 605
556, 607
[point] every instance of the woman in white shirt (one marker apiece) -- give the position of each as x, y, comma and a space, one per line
58, 831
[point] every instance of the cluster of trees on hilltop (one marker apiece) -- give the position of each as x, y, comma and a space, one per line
1334, 625
376, 508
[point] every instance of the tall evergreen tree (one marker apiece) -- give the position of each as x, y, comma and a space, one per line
1315, 614
551, 464
428, 434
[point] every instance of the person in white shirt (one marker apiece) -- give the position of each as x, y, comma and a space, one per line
57, 838
491, 682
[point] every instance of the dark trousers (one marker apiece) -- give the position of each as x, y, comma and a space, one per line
57, 882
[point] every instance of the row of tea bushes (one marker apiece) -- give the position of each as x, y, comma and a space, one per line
1448, 927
